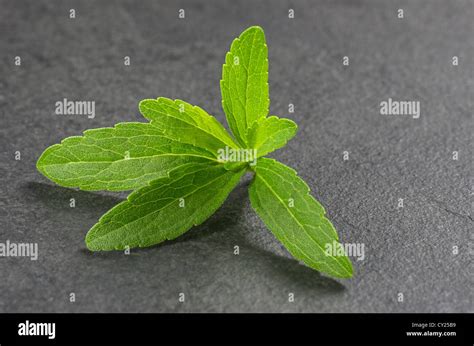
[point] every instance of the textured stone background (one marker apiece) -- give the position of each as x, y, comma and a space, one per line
408, 250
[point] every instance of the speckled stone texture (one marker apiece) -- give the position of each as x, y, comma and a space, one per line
408, 250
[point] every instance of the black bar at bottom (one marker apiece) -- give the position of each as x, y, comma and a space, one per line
427, 329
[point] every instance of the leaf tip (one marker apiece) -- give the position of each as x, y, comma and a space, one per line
254, 28
348, 269
89, 240
143, 103
41, 162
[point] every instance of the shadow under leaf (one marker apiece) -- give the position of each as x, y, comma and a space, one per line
56, 197
222, 230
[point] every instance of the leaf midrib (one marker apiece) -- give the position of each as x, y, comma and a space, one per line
163, 207
131, 158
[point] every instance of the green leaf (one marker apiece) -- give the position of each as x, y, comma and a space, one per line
244, 84
270, 134
165, 209
175, 164
124, 157
186, 123
283, 202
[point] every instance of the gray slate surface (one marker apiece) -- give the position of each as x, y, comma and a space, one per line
408, 250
